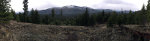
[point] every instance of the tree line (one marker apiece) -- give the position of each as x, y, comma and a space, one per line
140, 17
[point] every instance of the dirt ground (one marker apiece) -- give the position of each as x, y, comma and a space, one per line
18, 31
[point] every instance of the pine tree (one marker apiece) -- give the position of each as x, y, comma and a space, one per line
32, 16
35, 17
5, 15
46, 19
92, 19
86, 18
148, 5
61, 12
120, 19
112, 19
143, 15
17, 18
83, 19
53, 13
25, 14
143, 10
14, 14
130, 18
99, 18
103, 12
52, 19
20, 17
148, 11
103, 16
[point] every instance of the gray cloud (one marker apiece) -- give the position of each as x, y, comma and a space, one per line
97, 4
45, 6
113, 1
116, 5
116, 2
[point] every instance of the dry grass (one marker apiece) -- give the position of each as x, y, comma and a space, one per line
18, 31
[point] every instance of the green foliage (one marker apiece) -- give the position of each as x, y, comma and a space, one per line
143, 10
35, 17
5, 15
46, 20
20, 16
86, 19
130, 18
120, 19
61, 12
112, 19
148, 11
53, 13
25, 14
143, 15
17, 18
101, 18
92, 20
14, 14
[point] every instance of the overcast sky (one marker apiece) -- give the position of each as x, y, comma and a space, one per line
96, 4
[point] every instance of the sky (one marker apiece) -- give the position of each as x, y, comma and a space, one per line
134, 5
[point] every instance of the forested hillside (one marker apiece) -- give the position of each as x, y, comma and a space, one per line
87, 18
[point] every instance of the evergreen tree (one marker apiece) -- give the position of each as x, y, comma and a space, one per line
5, 15
143, 10
143, 15
53, 13
52, 19
112, 19
92, 19
14, 14
86, 18
120, 19
101, 17
148, 5
32, 16
148, 11
61, 12
20, 17
25, 14
46, 19
35, 17
17, 18
130, 18
83, 19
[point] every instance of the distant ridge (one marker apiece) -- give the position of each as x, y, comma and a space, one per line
73, 10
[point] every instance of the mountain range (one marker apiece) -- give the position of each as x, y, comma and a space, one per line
74, 10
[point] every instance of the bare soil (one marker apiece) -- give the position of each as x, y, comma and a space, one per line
19, 31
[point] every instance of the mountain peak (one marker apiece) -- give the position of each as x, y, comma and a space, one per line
70, 6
